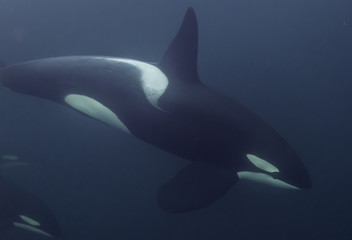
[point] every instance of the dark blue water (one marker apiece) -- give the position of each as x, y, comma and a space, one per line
288, 61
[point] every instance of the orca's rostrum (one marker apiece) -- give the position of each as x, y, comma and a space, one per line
168, 106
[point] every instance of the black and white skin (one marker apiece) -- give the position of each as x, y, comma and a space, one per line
167, 106
20, 210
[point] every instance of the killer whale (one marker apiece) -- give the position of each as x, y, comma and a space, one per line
19, 209
167, 105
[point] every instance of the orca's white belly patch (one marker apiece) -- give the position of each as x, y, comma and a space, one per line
264, 178
95, 109
153, 81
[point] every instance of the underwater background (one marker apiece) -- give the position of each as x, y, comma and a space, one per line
289, 61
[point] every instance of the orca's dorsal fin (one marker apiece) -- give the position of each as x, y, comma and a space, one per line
180, 59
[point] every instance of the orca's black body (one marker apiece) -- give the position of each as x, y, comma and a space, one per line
167, 106
21, 210
21, 213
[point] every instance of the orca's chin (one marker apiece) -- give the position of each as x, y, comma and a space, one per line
263, 171
266, 179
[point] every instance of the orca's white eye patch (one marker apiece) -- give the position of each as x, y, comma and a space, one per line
29, 220
262, 164
10, 157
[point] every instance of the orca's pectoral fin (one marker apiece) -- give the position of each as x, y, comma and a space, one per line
195, 186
